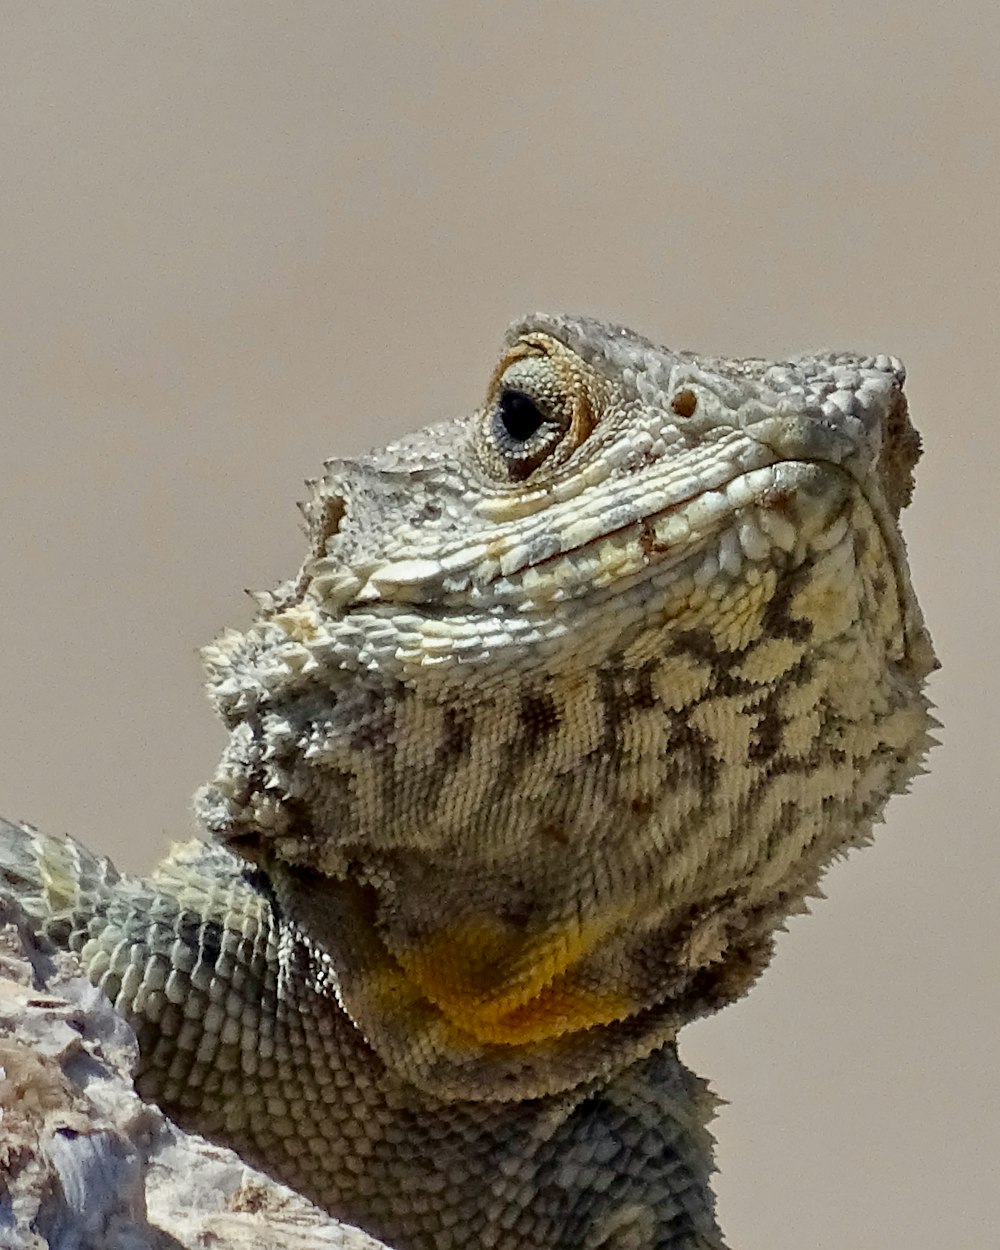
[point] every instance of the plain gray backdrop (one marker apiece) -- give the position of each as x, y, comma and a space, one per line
239, 237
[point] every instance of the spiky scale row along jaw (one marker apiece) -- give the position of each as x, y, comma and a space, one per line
574, 699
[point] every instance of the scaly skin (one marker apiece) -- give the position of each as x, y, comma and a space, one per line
565, 713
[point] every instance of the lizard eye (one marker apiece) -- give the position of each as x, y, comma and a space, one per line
524, 430
543, 402
528, 416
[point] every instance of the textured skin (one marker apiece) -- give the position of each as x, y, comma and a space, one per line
565, 713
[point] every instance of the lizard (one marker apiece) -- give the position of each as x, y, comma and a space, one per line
568, 707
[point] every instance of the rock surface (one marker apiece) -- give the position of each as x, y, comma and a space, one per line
85, 1164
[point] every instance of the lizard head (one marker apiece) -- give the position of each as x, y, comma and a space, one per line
573, 699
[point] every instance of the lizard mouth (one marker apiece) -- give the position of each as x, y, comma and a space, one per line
721, 543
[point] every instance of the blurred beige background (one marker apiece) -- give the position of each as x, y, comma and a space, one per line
237, 238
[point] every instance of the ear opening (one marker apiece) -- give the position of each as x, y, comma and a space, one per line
324, 514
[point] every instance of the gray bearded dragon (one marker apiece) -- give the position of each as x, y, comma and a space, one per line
568, 707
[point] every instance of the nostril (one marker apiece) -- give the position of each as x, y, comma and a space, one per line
684, 403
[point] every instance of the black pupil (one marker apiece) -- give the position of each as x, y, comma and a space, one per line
520, 415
